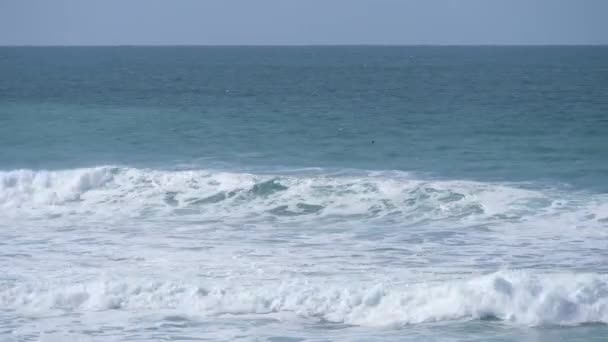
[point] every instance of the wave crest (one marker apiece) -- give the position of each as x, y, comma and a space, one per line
22, 187
392, 196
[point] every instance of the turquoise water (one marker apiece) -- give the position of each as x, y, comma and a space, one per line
304, 193
480, 113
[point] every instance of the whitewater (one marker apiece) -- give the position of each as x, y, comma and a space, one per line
96, 252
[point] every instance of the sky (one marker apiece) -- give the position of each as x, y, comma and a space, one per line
302, 22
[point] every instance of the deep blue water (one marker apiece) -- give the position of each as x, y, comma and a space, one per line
304, 193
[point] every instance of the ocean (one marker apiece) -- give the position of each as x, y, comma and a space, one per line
304, 193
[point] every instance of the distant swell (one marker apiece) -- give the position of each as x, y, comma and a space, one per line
374, 195
517, 297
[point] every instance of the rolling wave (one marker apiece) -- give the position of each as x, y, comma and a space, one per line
518, 297
375, 195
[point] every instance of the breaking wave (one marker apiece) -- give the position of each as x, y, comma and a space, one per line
388, 195
513, 296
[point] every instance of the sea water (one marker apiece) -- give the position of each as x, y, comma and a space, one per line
304, 193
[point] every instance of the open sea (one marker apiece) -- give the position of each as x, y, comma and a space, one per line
304, 194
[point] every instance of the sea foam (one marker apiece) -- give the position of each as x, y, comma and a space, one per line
518, 297
393, 196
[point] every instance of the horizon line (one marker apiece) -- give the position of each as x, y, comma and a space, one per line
311, 45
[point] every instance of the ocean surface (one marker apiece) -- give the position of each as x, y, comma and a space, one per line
304, 193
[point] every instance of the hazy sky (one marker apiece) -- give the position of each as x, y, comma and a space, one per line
102, 22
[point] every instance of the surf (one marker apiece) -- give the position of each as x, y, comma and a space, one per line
370, 195
525, 298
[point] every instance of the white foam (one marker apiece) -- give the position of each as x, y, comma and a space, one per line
23, 187
514, 296
112, 191
298, 246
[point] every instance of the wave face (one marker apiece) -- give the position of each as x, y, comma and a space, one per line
519, 297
